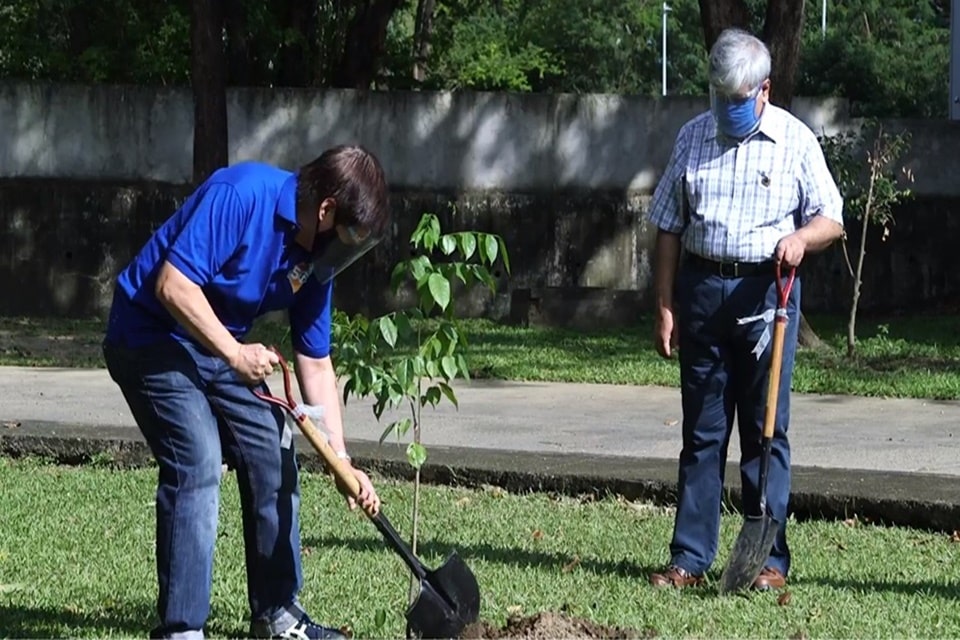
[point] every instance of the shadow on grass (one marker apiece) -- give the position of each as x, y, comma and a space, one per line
129, 619
518, 557
947, 591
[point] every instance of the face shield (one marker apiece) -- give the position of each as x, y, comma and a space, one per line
338, 248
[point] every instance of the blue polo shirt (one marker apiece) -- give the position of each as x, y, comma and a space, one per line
234, 237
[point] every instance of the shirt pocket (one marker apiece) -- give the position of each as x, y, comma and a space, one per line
771, 194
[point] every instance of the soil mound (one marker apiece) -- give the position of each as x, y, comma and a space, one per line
549, 626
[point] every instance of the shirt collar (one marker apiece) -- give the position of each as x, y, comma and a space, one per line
287, 202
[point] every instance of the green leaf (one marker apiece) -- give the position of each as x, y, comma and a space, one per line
380, 619
432, 396
395, 395
490, 248
400, 427
419, 267
416, 455
388, 329
402, 320
462, 365
439, 290
427, 233
468, 244
448, 244
447, 390
448, 364
503, 254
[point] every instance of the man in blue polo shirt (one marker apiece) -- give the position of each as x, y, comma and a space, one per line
251, 239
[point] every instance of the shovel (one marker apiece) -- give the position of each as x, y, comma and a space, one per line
449, 597
753, 544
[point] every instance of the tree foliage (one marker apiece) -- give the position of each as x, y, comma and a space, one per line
890, 58
408, 358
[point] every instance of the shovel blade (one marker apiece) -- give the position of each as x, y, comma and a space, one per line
448, 601
749, 553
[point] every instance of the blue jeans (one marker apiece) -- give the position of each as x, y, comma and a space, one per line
721, 377
194, 413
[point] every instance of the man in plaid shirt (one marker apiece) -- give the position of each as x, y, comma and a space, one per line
746, 187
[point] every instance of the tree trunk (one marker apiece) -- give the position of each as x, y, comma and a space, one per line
807, 337
422, 32
208, 74
717, 15
238, 44
297, 53
783, 31
365, 43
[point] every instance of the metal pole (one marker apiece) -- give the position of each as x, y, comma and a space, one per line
823, 20
955, 60
666, 8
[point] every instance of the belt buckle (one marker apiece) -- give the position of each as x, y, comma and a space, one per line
729, 269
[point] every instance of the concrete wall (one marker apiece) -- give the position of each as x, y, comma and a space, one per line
86, 172
437, 141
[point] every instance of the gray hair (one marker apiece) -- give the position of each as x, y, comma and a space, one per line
739, 63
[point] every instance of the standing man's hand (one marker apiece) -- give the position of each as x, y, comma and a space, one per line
665, 333
790, 250
254, 362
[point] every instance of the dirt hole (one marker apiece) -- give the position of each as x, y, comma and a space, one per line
550, 626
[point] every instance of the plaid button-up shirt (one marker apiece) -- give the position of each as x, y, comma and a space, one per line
744, 196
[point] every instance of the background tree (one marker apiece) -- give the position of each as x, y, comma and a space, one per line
365, 43
422, 34
208, 75
888, 58
864, 164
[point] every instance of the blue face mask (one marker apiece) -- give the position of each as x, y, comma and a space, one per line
735, 117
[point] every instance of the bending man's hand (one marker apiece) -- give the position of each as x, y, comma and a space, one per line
368, 499
254, 362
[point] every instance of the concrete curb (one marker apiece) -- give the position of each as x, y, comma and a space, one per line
924, 501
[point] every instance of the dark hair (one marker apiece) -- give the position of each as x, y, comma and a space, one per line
353, 177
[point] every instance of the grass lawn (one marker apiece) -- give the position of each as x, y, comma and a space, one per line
898, 357
76, 559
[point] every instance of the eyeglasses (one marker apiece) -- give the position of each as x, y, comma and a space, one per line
736, 99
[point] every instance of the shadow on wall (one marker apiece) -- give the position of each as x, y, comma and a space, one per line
565, 179
63, 242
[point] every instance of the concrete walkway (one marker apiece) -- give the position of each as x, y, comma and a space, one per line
634, 432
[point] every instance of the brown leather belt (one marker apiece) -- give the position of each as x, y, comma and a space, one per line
731, 269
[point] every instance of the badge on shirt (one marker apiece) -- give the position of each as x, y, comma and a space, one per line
299, 274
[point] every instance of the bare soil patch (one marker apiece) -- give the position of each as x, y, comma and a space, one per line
550, 626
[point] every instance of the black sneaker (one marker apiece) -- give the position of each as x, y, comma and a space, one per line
304, 629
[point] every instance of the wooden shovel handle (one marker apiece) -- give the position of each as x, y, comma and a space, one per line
773, 384
338, 467
776, 358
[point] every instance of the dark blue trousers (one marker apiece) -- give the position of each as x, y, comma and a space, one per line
721, 377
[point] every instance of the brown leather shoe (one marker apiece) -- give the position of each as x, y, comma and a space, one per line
770, 578
674, 576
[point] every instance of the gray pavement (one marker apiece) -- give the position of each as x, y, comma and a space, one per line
886, 460
835, 432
